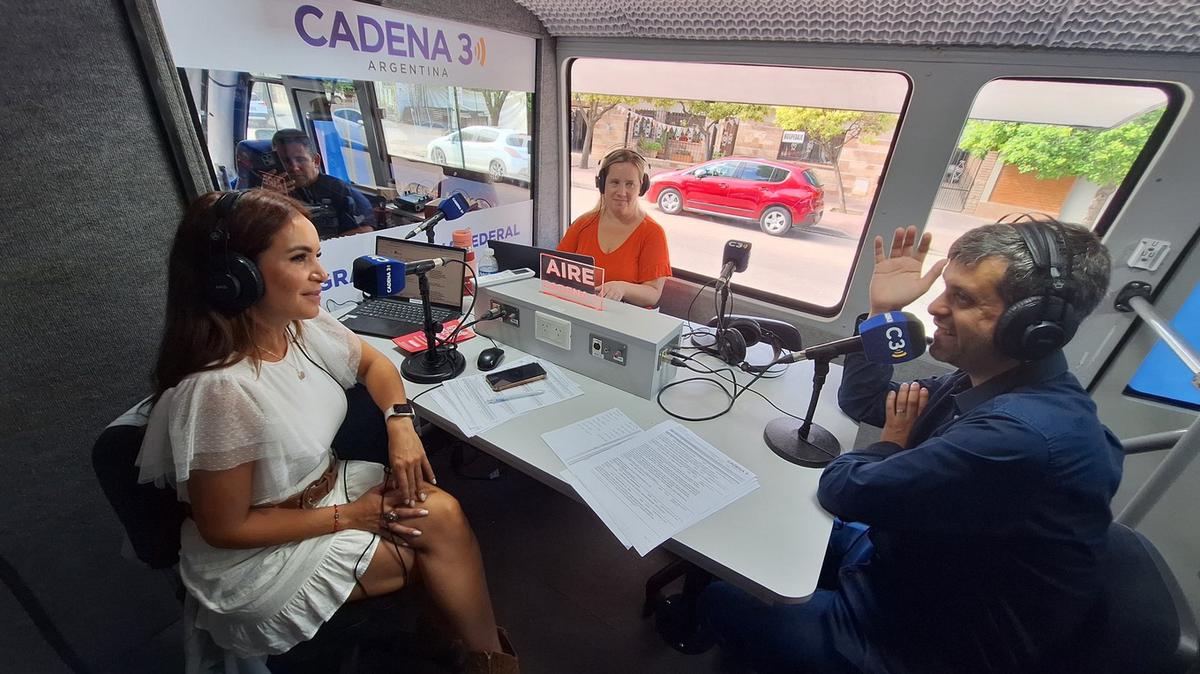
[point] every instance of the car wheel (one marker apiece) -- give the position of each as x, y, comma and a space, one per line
496, 168
439, 157
775, 221
670, 201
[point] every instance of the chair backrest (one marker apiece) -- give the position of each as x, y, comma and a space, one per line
1142, 623
151, 516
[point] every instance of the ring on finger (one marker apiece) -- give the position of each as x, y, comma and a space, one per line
391, 516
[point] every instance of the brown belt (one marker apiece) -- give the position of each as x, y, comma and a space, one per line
313, 493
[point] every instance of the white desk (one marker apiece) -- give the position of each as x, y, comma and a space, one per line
770, 543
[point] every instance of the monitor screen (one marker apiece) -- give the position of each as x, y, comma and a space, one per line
446, 283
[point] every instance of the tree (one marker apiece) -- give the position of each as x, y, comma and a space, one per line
832, 129
714, 112
1103, 156
594, 107
494, 100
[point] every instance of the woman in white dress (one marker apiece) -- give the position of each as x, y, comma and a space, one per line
250, 390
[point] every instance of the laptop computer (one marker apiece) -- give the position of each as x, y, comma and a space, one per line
519, 256
401, 314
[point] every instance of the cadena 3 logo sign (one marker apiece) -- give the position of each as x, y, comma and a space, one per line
368, 35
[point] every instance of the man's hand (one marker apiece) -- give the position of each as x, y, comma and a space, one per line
902, 410
897, 281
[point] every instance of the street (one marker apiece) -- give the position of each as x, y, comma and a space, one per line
810, 265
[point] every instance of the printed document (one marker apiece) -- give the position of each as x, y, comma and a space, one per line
474, 407
653, 484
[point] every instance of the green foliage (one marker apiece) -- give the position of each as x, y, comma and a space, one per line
650, 146
1101, 156
718, 111
832, 129
601, 102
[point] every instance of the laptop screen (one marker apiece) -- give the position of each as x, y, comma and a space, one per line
446, 283
516, 256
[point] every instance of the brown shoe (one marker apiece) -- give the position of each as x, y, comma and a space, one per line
488, 662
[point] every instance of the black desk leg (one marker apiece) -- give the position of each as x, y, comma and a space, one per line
675, 616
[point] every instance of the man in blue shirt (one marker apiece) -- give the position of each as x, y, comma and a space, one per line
969, 537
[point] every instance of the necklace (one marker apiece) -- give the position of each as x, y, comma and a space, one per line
299, 372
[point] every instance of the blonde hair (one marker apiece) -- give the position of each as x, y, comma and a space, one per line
621, 155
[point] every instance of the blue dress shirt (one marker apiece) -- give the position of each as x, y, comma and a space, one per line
988, 532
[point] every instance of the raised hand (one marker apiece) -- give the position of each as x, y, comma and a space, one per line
897, 281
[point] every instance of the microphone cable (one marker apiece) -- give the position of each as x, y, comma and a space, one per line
686, 361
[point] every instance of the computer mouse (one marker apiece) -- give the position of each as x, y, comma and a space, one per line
489, 358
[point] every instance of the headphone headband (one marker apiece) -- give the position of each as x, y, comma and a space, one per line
626, 155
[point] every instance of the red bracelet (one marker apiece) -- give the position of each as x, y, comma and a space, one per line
336, 518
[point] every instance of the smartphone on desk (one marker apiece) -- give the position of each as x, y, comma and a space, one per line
515, 376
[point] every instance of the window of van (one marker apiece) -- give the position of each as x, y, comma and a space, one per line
1066, 149
789, 159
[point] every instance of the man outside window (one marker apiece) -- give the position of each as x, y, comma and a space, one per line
337, 208
969, 537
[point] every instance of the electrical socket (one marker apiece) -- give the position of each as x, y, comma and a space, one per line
552, 330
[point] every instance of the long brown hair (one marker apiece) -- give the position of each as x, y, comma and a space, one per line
198, 337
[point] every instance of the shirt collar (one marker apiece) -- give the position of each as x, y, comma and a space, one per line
1021, 375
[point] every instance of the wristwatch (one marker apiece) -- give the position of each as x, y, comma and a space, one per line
399, 410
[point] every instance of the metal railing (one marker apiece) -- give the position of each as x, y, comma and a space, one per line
1187, 444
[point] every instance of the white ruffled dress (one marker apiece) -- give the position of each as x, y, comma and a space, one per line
255, 602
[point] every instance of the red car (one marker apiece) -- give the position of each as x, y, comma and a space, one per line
776, 194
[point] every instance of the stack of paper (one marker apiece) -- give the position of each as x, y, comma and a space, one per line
474, 407
647, 486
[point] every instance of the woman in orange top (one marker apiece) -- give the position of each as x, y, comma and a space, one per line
627, 243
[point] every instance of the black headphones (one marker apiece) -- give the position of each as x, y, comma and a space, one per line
233, 282
740, 334
606, 162
1035, 327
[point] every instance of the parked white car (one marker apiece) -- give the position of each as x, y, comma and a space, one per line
503, 153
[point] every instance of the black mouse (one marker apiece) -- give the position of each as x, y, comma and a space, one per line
489, 358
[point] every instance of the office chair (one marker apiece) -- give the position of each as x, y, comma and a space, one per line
362, 636
1141, 624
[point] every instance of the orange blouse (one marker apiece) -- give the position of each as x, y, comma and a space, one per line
640, 258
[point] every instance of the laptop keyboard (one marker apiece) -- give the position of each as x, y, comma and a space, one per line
400, 311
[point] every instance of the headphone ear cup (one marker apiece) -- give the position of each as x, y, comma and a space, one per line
1027, 330
600, 180
234, 283
731, 346
750, 331
645, 185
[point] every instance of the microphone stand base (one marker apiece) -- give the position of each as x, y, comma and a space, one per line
783, 437
422, 369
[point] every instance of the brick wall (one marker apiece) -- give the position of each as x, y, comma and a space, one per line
1029, 192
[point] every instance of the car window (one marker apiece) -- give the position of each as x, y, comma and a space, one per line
811, 178
486, 135
757, 172
518, 140
779, 175
723, 169
465, 136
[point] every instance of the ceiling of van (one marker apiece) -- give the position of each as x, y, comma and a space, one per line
1126, 25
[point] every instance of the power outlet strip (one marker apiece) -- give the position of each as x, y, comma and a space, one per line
552, 330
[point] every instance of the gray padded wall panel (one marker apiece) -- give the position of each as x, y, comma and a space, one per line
1137, 25
509, 15
90, 199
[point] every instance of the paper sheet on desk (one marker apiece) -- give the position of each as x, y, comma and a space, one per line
584, 439
467, 400
659, 482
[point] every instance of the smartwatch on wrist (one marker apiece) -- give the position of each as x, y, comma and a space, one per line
399, 410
